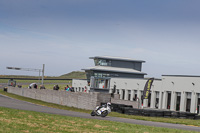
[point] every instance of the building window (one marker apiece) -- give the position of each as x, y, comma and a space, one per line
100, 75
101, 83
101, 62
89, 74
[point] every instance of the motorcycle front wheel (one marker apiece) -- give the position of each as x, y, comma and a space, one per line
104, 113
93, 113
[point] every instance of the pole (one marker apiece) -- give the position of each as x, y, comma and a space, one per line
39, 76
42, 74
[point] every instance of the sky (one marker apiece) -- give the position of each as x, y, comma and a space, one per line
63, 34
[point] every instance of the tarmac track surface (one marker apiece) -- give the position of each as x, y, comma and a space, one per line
22, 105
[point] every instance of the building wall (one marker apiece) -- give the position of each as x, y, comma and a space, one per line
80, 85
179, 83
127, 64
175, 93
135, 84
132, 89
188, 89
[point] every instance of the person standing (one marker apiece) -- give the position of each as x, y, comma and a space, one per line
67, 88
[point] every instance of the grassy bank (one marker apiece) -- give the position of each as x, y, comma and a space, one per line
14, 121
71, 75
114, 114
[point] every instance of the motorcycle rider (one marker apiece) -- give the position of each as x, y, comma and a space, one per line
108, 104
102, 110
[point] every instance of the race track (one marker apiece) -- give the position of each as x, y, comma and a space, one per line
22, 105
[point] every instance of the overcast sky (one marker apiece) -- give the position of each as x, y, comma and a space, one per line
63, 34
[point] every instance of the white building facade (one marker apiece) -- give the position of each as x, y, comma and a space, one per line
175, 93
172, 92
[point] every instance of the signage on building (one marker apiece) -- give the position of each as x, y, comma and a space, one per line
147, 88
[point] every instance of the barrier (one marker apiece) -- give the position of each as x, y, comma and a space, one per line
72, 99
124, 109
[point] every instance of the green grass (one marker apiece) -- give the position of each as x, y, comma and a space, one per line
113, 114
20, 121
160, 119
74, 75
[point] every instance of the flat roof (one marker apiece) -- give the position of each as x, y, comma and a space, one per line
116, 58
115, 69
181, 75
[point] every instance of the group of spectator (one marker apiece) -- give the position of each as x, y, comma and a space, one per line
34, 86
55, 87
67, 88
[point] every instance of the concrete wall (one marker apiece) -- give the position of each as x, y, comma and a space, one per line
71, 99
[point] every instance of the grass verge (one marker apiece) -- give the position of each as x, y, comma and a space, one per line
14, 121
113, 114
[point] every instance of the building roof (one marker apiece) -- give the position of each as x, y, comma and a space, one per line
181, 75
117, 58
115, 69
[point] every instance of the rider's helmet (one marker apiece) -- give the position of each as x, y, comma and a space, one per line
109, 104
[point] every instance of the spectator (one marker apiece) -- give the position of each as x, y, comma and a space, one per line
32, 85
35, 86
67, 88
72, 89
56, 87
19, 86
85, 89
42, 87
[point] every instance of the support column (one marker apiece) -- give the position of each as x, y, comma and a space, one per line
110, 90
193, 106
132, 94
165, 96
139, 98
126, 94
88, 89
153, 99
145, 103
173, 101
121, 93
160, 100
183, 101
115, 91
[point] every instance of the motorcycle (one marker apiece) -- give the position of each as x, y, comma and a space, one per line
102, 110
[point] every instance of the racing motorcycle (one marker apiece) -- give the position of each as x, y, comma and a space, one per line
102, 110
